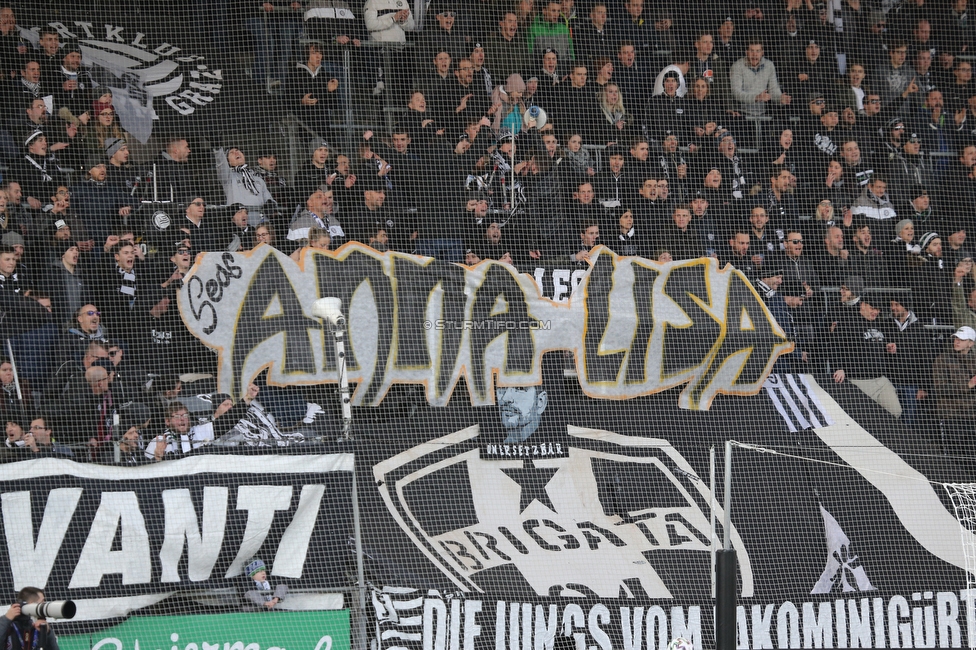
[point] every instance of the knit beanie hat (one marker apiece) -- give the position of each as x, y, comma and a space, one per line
255, 567
112, 146
316, 144
927, 239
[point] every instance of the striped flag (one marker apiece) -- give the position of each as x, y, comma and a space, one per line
796, 402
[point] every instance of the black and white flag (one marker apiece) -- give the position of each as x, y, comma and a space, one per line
796, 402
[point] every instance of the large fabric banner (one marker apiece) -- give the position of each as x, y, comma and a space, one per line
120, 538
634, 327
596, 525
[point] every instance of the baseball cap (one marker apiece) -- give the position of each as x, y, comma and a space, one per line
965, 333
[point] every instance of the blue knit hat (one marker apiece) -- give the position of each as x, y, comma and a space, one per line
255, 567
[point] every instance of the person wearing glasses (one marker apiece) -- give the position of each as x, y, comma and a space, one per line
895, 79
202, 231
445, 36
39, 440
179, 437
800, 280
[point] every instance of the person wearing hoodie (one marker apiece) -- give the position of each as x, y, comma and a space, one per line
312, 91
241, 183
875, 205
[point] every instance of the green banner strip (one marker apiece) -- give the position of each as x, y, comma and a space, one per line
276, 630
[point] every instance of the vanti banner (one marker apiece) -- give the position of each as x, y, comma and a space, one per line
119, 538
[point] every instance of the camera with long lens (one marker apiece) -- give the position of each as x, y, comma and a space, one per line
53, 609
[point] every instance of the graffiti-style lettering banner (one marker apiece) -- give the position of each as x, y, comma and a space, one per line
635, 327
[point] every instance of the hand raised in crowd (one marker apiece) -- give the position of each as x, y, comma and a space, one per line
912, 88
252, 392
159, 308
333, 85
308, 100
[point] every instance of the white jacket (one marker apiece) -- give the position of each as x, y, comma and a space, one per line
378, 16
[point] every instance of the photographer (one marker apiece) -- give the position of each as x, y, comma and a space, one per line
19, 632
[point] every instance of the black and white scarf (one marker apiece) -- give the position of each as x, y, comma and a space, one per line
247, 177
270, 177
34, 87
45, 177
128, 285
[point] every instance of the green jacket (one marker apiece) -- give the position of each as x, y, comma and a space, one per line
543, 35
962, 315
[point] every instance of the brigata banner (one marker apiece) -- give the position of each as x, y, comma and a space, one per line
634, 327
324, 630
119, 538
553, 514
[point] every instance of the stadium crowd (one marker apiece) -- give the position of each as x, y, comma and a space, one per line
809, 145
